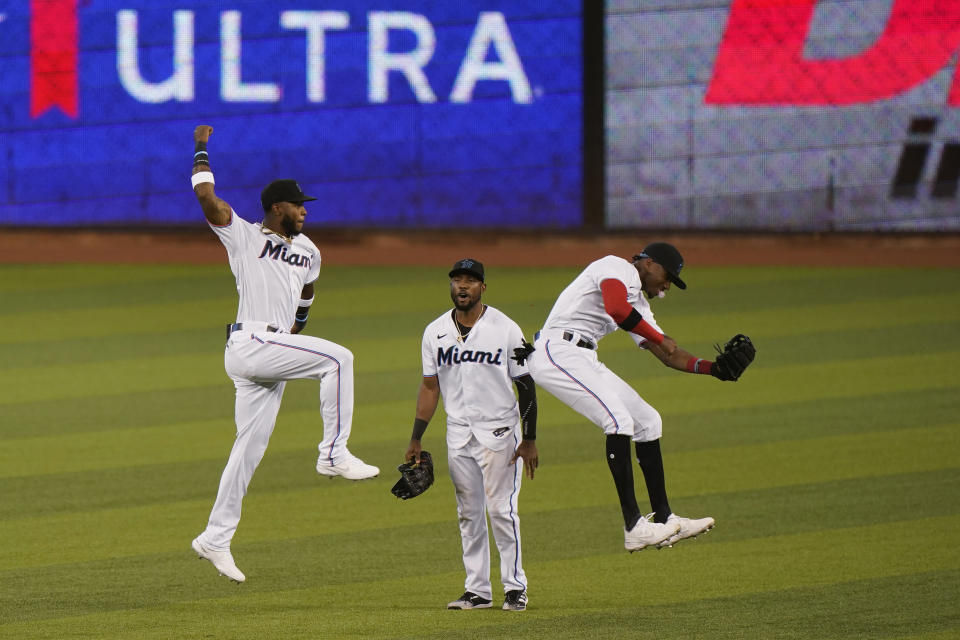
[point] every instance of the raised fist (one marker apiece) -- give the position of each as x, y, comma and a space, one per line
202, 133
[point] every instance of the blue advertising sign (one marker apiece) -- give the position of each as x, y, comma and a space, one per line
400, 113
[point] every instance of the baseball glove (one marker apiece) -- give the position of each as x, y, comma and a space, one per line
733, 359
414, 478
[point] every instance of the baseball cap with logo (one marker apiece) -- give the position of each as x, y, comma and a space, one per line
282, 191
468, 265
667, 256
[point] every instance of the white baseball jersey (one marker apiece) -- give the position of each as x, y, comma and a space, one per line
483, 430
476, 377
580, 306
574, 374
270, 271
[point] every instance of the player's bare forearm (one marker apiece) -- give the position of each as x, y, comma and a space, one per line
428, 397
676, 360
215, 210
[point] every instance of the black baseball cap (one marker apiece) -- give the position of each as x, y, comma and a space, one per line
667, 256
282, 191
468, 265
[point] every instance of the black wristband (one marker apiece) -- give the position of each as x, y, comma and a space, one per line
631, 320
200, 155
419, 426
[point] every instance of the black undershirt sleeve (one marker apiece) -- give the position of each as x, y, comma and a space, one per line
527, 399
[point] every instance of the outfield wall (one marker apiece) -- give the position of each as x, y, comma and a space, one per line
783, 115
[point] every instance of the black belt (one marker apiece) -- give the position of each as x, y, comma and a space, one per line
586, 344
239, 325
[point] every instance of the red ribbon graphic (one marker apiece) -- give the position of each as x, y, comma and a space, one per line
53, 56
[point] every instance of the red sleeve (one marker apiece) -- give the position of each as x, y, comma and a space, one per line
627, 318
615, 299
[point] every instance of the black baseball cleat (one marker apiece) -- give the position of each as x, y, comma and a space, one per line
470, 600
515, 600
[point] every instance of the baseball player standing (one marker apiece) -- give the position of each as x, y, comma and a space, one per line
608, 295
275, 267
466, 360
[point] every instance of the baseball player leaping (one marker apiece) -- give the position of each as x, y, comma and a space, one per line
275, 267
466, 358
605, 296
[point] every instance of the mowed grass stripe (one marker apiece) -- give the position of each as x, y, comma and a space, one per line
157, 444
212, 302
876, 608
817, 558
549, 537
160, 444
695, 473
776, 384
562, 435
23, 281
768, 384
214, 400
70, 492
822, 559
795, 462
119, 319
894, 607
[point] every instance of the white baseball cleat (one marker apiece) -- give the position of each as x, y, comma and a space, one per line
647, 533
350, 467
222, 560
688, 529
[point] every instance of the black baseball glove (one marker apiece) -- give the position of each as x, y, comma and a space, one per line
733, 359
414, 478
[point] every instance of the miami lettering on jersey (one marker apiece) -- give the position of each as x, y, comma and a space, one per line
452, 355
279, 252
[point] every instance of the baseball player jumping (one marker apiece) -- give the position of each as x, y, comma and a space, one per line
466, 358
608, 295
275, 267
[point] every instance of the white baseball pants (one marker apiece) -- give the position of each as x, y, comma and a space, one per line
486, 482
259, 363
577, 378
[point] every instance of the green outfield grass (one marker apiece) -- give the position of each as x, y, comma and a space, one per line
832, 468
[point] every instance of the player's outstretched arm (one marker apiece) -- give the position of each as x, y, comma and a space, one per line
678, 359
727, 367
216, 211
427, 400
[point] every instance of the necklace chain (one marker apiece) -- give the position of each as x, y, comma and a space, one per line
463, 330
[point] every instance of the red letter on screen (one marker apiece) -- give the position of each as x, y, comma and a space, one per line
760, 59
